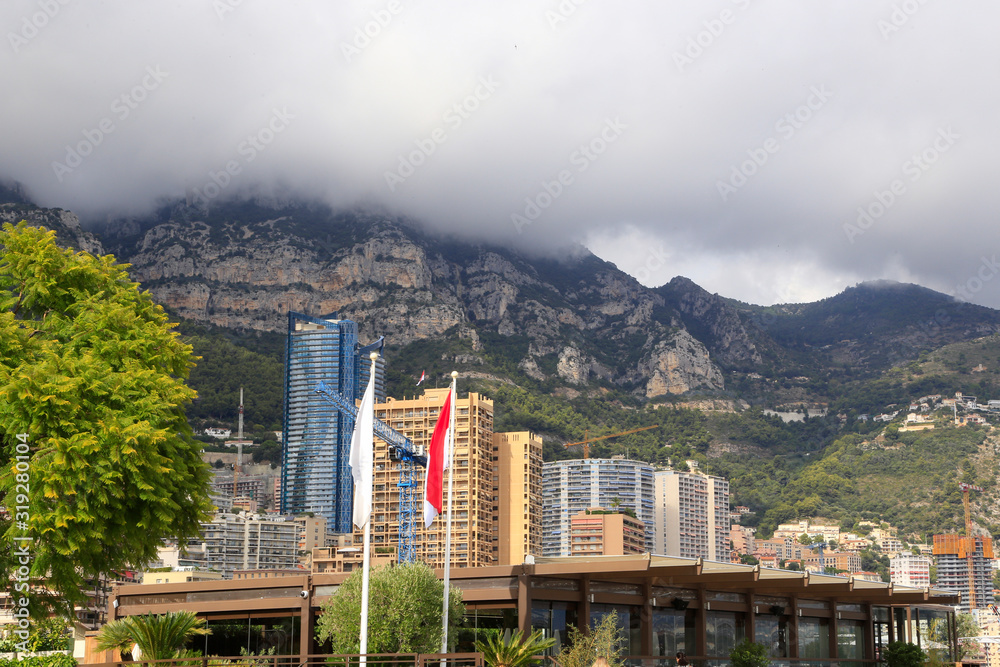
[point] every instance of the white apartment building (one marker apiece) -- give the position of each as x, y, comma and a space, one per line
578, 484
907, 569
233, 542
692, 515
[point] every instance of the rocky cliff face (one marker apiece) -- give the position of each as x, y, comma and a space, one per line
583, 320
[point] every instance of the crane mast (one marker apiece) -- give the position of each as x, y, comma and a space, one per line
401, 450
970, 542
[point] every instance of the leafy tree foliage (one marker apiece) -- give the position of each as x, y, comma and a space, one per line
501, 650
749, 653
158, 637
92, 372
605, 641
404, 604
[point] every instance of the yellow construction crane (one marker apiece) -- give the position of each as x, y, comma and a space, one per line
587, 440
970, 541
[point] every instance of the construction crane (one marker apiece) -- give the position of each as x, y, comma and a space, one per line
970, 546
586, 441
401, 450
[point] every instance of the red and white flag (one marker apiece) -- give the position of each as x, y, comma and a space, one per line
438, 457
423, 376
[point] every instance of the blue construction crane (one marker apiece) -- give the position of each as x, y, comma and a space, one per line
401, 450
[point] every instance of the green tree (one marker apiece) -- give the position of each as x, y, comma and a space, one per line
515, 650
603, 641
404, 604
158, 637
92, 372
749, 653
903, 654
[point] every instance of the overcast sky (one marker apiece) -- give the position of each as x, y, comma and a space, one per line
770, 151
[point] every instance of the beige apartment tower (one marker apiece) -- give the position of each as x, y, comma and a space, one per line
489, 486
517, 496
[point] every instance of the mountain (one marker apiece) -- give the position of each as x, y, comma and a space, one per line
569, 345
570, 324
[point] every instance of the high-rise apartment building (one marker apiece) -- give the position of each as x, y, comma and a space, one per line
600, 532
231, 542
692, 515
316, 440
517, 496
952, 555
907, 569
490, 487
578, 484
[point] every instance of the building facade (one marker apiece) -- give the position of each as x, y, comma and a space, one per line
692, 516
232, 542
951, 552
517, 496
316, 440
578, 484
601, 532
907, 569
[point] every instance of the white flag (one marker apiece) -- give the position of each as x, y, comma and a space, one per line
363, 456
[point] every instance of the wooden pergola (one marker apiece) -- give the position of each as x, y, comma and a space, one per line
646, 587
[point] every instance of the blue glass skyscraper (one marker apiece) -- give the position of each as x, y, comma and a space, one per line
316, 443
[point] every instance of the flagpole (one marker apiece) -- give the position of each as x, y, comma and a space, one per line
447, 539
366, 563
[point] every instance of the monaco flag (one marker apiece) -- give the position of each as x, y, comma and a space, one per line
437, 463
363, 455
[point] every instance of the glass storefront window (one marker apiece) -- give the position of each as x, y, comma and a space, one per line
628, 623
723, 631
673, 631
555, 619
814, 638
772, 632
851, 640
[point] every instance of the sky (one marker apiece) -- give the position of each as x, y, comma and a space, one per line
770, 151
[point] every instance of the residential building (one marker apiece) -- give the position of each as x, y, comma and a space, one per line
316, 441
842, 561
951, 552
180, 575
742, 538
348, 559
517, 496
231, 542
600, 532
691, 515
576, 484
785, 548
312, 532
474, 518
907, 569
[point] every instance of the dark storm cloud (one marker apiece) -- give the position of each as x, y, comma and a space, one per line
769, 151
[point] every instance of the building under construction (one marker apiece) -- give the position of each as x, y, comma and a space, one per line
955, 555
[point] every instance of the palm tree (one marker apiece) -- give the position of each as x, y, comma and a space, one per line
157, 637
515, 651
